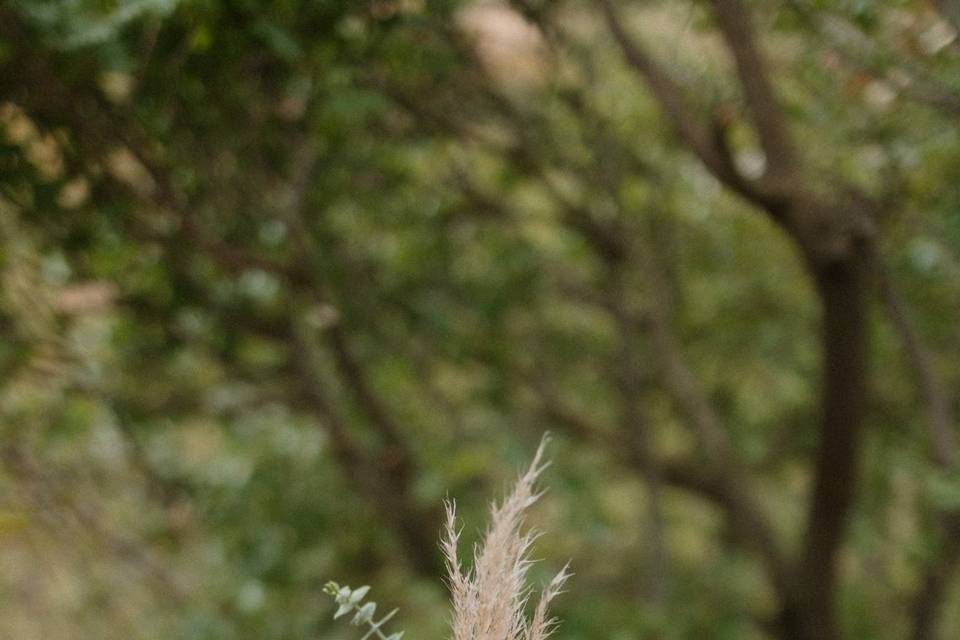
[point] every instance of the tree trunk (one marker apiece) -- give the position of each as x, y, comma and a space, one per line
843, 287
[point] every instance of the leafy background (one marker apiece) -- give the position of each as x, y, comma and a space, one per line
277, 278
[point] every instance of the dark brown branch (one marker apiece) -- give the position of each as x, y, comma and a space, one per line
636, 428
385, 482
727, 479
395, 468
940, 419
353, 376
396, 463
611, 246
690, 125
843, 289
396, 460
345, 449
726, 482
929, 600
231, 258
768, 117
682, 384
833, 237
749, 524
688, 397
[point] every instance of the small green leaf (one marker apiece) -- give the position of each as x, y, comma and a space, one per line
358, 594
365, 613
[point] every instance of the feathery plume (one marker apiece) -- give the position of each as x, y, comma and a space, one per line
489, 600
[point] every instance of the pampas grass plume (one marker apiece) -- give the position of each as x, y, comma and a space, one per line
490, 600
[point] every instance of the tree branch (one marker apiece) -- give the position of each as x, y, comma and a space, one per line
768, 117
843, 289
700, 138
393, 495
636, 429
749, 524
383, 481
940, 419
929, 600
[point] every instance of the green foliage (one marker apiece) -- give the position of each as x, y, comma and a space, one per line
276, 277
70, 24
348, 600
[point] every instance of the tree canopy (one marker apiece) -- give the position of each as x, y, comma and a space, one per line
277, 277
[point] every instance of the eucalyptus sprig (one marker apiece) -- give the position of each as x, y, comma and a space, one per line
490, 598
349, 600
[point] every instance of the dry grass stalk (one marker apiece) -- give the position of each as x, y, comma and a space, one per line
489, 600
